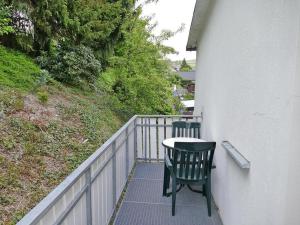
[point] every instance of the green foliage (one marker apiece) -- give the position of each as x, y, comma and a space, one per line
137, 75
72, 65
5, 20
42, 96
96, 23
42, 143
189, 96
43, 79
93, 23
17, 70
184, 67
176, 79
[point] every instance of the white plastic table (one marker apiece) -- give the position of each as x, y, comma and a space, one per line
169, 143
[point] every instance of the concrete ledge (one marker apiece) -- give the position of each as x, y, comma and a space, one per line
236, 155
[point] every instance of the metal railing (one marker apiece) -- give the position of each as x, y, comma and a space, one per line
152, 130
89, 195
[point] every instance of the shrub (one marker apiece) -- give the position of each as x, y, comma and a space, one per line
72, 65
5, 21
42, 96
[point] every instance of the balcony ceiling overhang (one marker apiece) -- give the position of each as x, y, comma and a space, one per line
199, 20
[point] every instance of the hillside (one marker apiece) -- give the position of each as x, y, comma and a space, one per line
46, 130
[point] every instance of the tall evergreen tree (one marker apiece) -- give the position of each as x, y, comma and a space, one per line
184, 67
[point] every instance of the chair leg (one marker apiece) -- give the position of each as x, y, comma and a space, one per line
165, 185
173, 195
168, 179
208, 196
203, 190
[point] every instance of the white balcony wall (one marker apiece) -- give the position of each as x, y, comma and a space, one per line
247, 86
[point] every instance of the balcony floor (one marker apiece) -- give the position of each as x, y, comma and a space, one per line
145, 205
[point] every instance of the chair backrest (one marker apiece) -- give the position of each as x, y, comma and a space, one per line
186, 129
179, 129
194, 129
193, 161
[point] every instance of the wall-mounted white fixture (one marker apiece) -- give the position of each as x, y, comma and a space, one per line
236, 155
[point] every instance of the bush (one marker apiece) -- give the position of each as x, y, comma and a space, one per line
5, 21
42, 96
72, 65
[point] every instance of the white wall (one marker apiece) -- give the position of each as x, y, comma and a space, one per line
292, 206
248, 82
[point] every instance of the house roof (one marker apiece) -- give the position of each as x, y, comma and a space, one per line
187, 75
200, 17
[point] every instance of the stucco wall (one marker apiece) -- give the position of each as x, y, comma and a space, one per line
247, 86
292, 206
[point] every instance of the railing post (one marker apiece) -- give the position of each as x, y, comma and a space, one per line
146, 137
135, 140
157, 140
142, 136
149, 138
114, 173
88, 196
127, 154
165, 131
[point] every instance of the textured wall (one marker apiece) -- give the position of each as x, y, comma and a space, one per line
292, 206
248, 90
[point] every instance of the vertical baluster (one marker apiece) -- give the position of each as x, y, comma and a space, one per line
135, 140
157, 140
165, 127
127, 153
88, 197
146, 137
114, 173
149, 121
142, 135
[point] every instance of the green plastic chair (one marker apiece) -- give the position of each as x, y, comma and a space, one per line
191, 165
180, 129
194, 129
186, 129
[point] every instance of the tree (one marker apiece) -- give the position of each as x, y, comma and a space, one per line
184, 67
5, 21
137, 73
94, 23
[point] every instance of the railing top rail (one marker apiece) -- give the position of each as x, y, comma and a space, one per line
40, 209
166, 116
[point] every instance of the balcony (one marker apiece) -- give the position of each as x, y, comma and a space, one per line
121, 183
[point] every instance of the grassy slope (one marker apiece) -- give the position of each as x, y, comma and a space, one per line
16, 69
41, 143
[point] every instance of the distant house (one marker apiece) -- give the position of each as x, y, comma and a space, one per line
189, 78
188, 107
